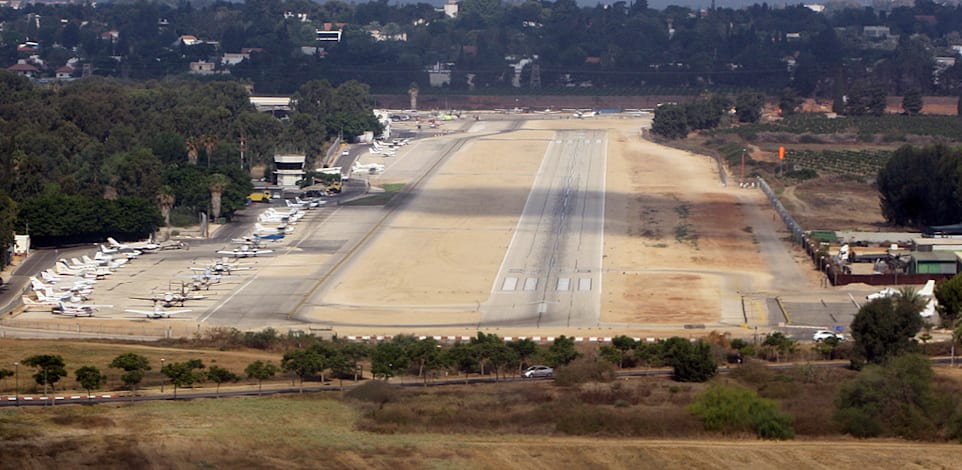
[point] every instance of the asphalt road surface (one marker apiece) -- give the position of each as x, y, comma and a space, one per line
551, 273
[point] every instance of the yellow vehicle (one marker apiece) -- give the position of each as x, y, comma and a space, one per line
261, 196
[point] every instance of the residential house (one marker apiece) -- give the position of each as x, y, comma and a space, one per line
201, 67
25, 69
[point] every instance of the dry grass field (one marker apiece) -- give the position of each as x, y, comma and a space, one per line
523, 425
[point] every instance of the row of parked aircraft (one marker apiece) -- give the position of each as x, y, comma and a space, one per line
66, 288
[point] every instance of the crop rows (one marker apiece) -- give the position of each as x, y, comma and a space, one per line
889, 125
849, 162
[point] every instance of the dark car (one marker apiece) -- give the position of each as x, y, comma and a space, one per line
537, 371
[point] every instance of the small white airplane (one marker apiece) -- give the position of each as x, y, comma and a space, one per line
158, 312
76, 310
171, 299
884, 293
274, 216
220, 267
926, 292
103, 260
144, 246
372, 168
48, 295
244, 252
311, 203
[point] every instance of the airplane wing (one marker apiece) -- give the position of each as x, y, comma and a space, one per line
142, 312
175, 312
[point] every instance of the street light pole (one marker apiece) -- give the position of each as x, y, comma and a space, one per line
163, 378
16, 365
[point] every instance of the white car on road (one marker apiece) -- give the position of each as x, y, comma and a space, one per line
822, 335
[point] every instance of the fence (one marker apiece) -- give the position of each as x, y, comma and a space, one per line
175, 329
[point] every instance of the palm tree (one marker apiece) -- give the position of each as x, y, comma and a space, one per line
209, 142
166, 199
217, 184
192, 144
908, 295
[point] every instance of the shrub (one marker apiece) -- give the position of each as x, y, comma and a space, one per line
737, 409
375, 391
895, 399
583, 370
690, 362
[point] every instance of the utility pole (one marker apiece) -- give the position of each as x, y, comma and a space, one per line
16, 365
743, 166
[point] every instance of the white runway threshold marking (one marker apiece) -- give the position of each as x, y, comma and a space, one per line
510, 284
531, 283
563, 283
584, 284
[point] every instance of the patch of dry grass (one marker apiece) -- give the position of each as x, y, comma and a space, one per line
78, 353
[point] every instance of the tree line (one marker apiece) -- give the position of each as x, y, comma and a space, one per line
99, 157
918, 186
622, 44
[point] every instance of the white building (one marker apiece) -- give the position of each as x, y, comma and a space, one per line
289, 169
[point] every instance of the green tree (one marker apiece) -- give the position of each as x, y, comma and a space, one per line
50, 368
779, 345
624, 344
524, 348
134, 366
183, 374
734, 409
789, 101
884, 328
561, 351
302, 363
426, 355
387, 359
748, 106
670, 121
894, 399
876, 100
90, 378
4, 373
912, 102
462, 357
690, 362
261, 371
220, 375
217, 183
948, 293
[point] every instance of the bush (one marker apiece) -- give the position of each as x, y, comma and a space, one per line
737, 409
690, 362
896, 399
375, 391
583, 370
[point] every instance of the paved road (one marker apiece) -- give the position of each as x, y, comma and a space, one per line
551, 273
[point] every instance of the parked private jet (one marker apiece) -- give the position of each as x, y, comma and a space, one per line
244, 252
171, 299
158, 312
144, 246
927, 292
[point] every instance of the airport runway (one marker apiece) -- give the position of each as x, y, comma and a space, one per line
551, 273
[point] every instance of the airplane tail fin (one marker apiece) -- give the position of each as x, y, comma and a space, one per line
928, 290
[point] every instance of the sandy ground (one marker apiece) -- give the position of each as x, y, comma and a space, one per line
674, 237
